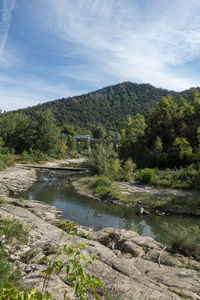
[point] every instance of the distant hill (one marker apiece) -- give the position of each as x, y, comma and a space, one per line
108, 106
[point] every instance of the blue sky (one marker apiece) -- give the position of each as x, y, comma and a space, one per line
51, 49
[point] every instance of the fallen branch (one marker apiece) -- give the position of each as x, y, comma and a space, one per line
159, 256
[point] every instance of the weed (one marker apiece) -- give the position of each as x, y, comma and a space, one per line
14, 229
2, 201
182, 294
184, 239
67, 225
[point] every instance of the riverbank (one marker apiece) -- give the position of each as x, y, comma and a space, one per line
127, 263
132, 194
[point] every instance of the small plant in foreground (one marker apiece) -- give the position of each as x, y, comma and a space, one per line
67, 225
74, 271
14, 229
8, 291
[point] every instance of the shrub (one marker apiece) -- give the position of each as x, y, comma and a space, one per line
102, 190
128, 169
102, 186
13, 229
8, 291
190, 176
5, 265
102, 180
115, 169
146, 176
184, 239
34, 156
115, 194
67, 225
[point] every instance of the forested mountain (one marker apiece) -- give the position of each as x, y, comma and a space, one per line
108, 106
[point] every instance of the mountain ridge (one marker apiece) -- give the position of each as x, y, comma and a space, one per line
107, 106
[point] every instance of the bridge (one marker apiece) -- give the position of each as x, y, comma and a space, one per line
87, 138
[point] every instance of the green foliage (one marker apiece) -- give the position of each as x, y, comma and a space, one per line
67, 225
47, 134
13, 232
16, 131
73, 264
6, 159
102, 180
2, 201
8, 291
5, 266
184, 239
99, 132
107, 107
100, 158
14, 229
102, 186
146, 176
189, 176
71, 143
75, 276
115, 170
182, 294
182, 149
102, 190
128, 169
135, 128
34, 156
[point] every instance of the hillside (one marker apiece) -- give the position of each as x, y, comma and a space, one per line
108, 106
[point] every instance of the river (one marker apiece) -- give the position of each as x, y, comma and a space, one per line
98, 214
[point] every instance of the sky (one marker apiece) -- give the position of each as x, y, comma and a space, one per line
51, 49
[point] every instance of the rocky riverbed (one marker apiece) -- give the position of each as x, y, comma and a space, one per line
128, 264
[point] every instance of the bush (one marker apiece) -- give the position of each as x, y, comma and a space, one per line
184, 239
189, 176
128, 169
146, 176
102, 190
102, 186
67, 225
115, 170
102, 180
34, 157
13, 229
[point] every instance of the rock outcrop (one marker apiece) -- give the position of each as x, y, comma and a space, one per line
126, 263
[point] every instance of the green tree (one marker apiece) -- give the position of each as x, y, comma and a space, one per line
16, 131
135, 127
99, 132
47, 134
182, 149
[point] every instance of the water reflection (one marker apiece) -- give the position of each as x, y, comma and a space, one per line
90, 212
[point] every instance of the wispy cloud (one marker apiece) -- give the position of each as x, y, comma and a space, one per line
59, 48
30, 91
5, 20
130, 41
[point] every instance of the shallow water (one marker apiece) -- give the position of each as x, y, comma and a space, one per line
98, 214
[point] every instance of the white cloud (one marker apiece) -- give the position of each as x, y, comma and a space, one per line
99, 42
130, 44
5, 21
29, 92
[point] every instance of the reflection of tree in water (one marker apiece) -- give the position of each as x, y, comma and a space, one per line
132, 224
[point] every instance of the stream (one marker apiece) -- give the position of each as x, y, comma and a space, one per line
98, 214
